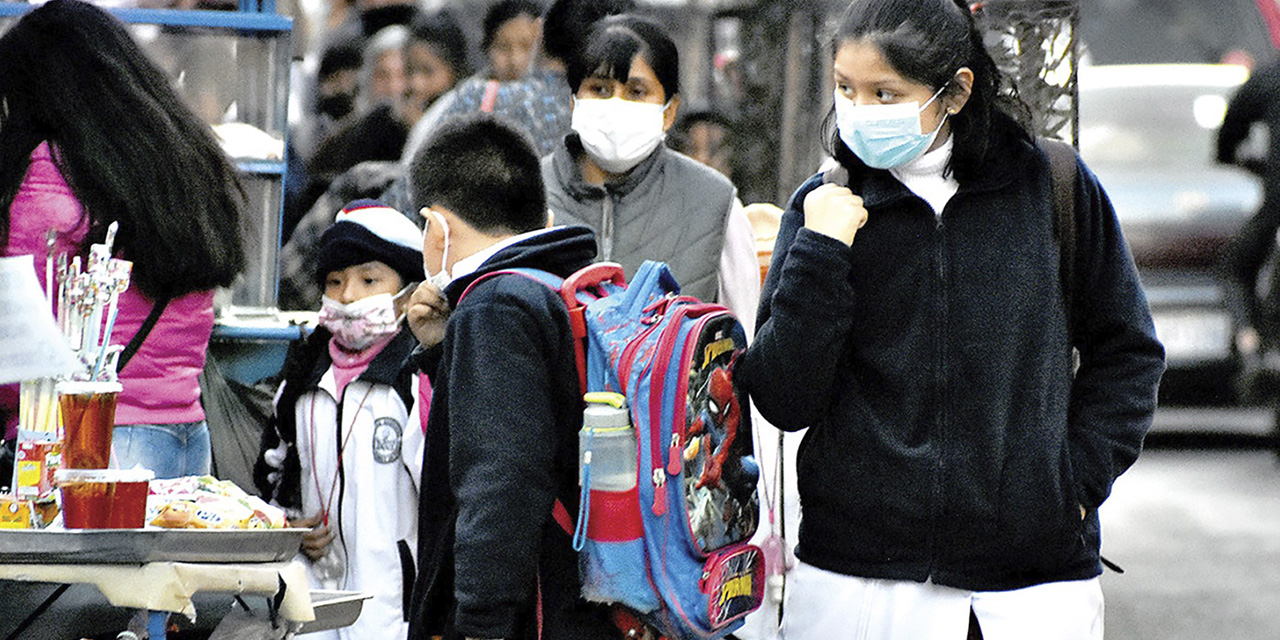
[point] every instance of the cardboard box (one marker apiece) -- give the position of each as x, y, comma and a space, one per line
34, 466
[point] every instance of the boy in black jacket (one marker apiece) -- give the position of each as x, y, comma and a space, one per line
502, 429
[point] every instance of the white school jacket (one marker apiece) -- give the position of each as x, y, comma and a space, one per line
371, 496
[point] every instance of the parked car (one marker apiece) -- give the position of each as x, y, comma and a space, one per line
1149, 133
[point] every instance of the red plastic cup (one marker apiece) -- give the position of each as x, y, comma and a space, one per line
104, 498
88, 415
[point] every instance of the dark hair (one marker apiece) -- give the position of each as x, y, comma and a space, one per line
679, 137
615, 41
504, 11
441, 30
484, 169
376, 18
696, 116
928, 41
567, 21
339, 55
130, 149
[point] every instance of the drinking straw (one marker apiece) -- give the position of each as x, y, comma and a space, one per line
74, 324
93, 318
27, 404
50, 239
106, 341
48, 404
117, 281
62, 293
106, 338
36, 404
110, 241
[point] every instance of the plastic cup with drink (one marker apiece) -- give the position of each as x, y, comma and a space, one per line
88, 415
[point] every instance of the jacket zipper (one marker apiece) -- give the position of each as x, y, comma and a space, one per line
606, 228
940, 421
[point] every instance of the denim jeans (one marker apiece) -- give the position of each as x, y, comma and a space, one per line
170, 450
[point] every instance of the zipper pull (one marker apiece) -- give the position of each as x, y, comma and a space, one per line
659, 493
674, 464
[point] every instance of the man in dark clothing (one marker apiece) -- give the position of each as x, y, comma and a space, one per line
1257, 101
502, 430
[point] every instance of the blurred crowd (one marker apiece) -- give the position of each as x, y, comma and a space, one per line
372, 78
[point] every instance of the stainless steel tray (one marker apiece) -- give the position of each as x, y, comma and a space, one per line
137, 546
334, 609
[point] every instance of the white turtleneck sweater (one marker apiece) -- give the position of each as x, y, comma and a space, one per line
923, 176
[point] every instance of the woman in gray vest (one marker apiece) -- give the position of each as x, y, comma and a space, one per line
613, 173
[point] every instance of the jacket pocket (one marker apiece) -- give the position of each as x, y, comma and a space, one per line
1039, 524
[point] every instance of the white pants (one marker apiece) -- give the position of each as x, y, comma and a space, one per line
822, 605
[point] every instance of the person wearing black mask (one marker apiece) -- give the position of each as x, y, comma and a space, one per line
337, 83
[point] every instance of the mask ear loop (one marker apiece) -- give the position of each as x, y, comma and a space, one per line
429, 213
934, 96
408, 288
946, 112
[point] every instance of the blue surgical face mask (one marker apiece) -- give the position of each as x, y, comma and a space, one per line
885, 136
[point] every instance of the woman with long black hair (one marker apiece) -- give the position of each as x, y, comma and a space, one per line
93, 133
917, 320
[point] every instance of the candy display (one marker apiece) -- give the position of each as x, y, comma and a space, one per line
204, 502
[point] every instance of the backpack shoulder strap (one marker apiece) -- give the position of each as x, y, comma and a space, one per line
1062, 170
552, 281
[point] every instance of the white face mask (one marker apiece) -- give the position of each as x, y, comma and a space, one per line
361, 323
440, 278
618, 133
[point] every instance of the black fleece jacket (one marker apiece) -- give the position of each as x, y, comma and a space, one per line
502, 446
948, 438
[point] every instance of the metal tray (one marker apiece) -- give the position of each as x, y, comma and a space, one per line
334, 609
137, 546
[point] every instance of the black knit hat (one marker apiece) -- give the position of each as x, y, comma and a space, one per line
367, 230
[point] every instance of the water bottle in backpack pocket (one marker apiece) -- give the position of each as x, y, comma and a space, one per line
609, 532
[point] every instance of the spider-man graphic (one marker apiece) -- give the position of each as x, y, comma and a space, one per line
720, 474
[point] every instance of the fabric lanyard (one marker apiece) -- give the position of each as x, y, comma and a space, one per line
315, 474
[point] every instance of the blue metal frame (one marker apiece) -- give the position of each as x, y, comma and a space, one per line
261, 167
241, 20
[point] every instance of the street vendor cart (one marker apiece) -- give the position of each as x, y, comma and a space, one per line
161, 570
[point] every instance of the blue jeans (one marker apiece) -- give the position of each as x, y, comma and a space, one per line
170, 450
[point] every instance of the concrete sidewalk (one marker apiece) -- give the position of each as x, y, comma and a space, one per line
1198, 533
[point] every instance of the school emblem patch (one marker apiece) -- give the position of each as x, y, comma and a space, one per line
387, 434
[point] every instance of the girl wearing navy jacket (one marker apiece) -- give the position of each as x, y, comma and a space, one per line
914, 319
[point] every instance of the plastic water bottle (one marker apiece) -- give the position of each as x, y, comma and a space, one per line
607, 444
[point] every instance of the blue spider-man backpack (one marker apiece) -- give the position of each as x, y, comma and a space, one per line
672, 550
